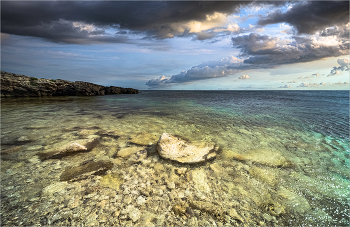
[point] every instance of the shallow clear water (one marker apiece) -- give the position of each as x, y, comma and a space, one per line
284, 157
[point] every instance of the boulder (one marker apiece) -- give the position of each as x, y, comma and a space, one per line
174, 148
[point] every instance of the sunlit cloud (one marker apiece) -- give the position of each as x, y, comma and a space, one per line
244, 77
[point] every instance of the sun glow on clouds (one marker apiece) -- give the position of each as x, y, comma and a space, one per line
212, 21
218, 22
83, 26
244, 77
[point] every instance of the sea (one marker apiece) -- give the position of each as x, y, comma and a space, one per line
283, 158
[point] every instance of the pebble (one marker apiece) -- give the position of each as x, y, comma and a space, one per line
158, 191
171, 185
33, 148
127, 199
141, 200
192, 222
134, 214
267, 217
135, 192
103, 197
181, 194
23, 139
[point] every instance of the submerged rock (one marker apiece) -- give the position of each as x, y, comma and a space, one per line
209, 208
217, 168
147, 218
171, 185
233, 214
127, 152
175, 148
265, 175
200, 180
144, 139
137, 157
294, 202
134, 214
92, 168
53, 188
264, 157
70, 149
181, 170
111, 181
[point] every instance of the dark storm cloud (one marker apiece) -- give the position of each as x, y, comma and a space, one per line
267, 50
66, 32
154, 19
312, 16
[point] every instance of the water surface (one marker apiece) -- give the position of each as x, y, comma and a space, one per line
284, 159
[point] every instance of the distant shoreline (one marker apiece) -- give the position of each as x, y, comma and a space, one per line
14, 85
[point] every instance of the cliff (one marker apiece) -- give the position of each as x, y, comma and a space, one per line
14, 85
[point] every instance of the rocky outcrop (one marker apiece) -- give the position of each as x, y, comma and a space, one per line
174, 148
14, 85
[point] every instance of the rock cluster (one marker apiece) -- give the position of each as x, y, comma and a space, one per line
20, 85
106, 179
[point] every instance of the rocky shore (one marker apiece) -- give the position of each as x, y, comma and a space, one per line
14, 85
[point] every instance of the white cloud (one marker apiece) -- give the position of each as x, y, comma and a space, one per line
157, 81
232, 27
286, 86
344, 66
311, 84
244, 77
341, 83
322, 84
213, 69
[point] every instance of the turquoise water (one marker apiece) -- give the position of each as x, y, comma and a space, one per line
284, 158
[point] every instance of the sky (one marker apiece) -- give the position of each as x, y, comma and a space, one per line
180, 45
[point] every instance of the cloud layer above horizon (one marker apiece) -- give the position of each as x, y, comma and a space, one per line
257, 35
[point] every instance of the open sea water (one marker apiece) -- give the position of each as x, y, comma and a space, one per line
284, 159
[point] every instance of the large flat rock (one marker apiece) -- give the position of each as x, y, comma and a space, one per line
174, 148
